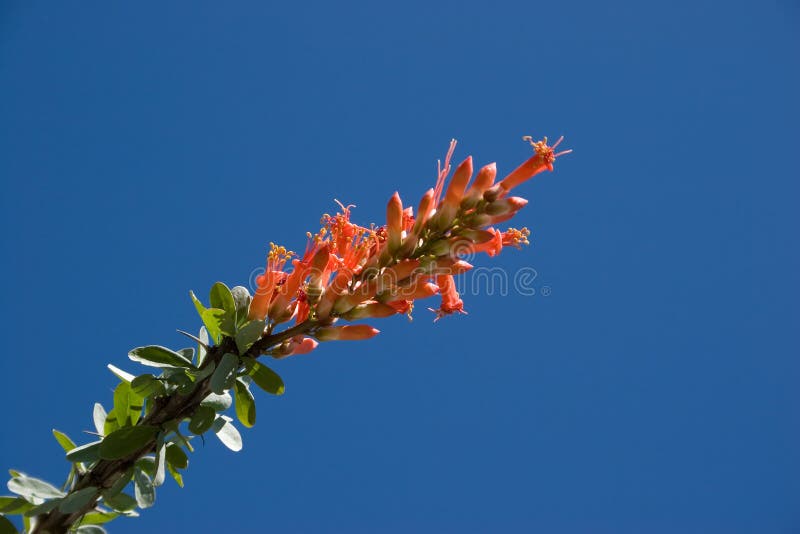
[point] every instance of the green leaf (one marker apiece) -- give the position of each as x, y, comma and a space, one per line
98, 518
187, 353
176, 475
33, 487
263, 376
127, 405
119, 485
176, 456
99, 415
112, 422
77, 500
206, 371
227, 433
144, 489
122, 502
158, 356
242, 298
147, 385
213, 318
14, 505
6, 526
85, 453
161, 469
90, 529
219, 403
122, 375
126, 440
63, 440
249, 334
222, 298
225, 373
147, 464
43, 508
202, 419
245, 404
197, 304
201, 346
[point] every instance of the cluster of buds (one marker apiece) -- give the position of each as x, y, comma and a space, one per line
349, 272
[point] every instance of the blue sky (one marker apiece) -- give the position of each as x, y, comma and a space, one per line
152, 149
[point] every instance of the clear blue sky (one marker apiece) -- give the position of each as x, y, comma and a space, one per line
152, 149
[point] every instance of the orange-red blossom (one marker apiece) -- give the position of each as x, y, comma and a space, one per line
349, 272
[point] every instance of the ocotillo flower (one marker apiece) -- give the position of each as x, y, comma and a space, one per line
350, 272
346, 333
543, 159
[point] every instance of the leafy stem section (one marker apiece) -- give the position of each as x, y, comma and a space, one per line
155, 415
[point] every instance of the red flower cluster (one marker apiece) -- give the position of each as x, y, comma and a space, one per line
351, 272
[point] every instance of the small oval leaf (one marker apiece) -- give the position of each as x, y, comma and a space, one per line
202, 419
85, 453
224, 374
219, 403
158, 356
33, 487
78, 499
144, 489
227, 433
248, 334
63, 440
126, 440
176, 456
245, 404
264, 377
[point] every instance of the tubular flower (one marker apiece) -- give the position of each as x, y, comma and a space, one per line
542, 159
350, 272
483, 181
267, 282
346, 333
451, 301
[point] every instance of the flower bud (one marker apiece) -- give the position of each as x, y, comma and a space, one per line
394, 222
505, 205
345, 333
370, 310
458, 184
